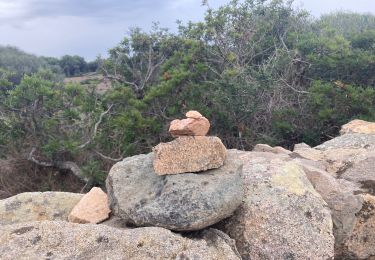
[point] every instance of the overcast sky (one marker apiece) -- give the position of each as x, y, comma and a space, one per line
90, 27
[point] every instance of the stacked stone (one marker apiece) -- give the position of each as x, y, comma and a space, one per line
192, 150
187, 184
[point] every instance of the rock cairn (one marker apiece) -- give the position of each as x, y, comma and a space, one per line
192, 150
186, 184
269, 203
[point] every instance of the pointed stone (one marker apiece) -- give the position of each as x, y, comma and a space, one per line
92, 208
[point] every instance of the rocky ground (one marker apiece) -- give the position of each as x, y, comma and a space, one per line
269, 203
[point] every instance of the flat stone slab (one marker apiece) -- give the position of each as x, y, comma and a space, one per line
178, 202
189, 154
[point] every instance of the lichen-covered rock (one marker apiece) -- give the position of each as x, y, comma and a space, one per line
92, 208
189, 154
37, 206
282, 216
63, 240
358, 126
178, 202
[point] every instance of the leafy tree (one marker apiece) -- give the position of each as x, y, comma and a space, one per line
73, 65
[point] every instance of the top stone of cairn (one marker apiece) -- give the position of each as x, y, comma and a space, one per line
194, 125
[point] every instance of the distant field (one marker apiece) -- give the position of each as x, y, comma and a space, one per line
102, 84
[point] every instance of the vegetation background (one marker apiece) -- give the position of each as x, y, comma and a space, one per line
261, 71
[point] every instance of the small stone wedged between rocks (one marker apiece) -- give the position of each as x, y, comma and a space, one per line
92, 208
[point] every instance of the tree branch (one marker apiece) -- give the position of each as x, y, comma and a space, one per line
32, 159
109, 158
68, 165
96, 128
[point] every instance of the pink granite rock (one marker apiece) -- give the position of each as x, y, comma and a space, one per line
92, 208
193, 114
194, 125
189, 154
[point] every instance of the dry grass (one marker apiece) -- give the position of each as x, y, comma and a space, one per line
20, 175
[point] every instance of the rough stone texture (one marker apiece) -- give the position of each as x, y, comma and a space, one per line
282, 216
353, 141
92, 208
37, 206
361, 243
189, 154
362, 173
63, 240
189, 126
336, 160
339, 195
177, 202
116, 222
300, 146
358, 126
267, 148
193, 114
346, 175
308, 153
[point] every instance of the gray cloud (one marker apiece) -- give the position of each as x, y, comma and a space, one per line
24, 10
90, 27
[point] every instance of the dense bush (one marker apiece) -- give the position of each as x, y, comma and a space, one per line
259, 70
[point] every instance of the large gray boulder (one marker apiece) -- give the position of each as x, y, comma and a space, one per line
37, 206
63, 240
282, 216
177, 202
